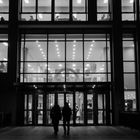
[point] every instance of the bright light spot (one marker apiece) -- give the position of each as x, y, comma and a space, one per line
79, 1
29, 65
105, 1
73, 65
131, 1
5, 44
60, 65
90, 49
74, 41
40, 16
93, 41
40, 49
26, 1
91, 45
75, 15
87, 65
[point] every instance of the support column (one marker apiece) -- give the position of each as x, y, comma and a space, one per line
92, 11
117, 63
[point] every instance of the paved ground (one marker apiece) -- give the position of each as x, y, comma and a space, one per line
77, 133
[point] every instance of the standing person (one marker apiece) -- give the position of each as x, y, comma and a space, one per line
66, 113
55, 115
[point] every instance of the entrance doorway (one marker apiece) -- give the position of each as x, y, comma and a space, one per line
89, 107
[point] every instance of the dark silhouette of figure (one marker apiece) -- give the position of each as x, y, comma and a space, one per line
55, 115
66, 113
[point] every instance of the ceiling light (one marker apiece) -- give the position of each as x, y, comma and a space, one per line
74, 45
79, 1
73, 52
89, 52
56, 45
37, 41
131, 1
90, 49
74, 65
74, 41
105, 1
39, 45
87, 65
91, 45
26, 1
75, 15
55, 41
60, 65
74, 49
40, 49
40, 16
29, 65
93, 41
5, 44
1, 1
58, 55
57, 49
101, 68
5, 59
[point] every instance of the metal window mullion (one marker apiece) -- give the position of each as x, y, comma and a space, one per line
65, 57
83, 58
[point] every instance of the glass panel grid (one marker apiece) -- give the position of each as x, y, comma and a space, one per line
59, 58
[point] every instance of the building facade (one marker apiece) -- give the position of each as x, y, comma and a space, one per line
83, 52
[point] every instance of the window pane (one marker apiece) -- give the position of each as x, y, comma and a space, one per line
34, 67
28, 17
56, 67
102, 6
129, 81
34, 78
95, 51
44, 17
28, 5
35, 51
61, 6
128, 50
127, 5
74, 67
56, 77
4, 9
79, 5
95, 67
44, 5
129, 66
74, 77
95, 77
56, 50
130, 100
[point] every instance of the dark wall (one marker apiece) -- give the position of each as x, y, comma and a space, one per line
131, 120
7, 107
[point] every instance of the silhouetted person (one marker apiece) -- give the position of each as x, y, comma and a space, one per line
66, 113
55, 115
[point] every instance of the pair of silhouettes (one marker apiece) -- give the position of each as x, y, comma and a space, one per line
56, 116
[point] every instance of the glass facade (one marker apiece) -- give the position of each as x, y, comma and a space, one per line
3, 53
129, 69
57, 10
4, 10
65, 58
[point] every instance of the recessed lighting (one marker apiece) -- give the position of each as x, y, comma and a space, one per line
90, 49
73, 52
26, 1
39, 45
79, 1
131, 1
56, 45
40, 49
89, 52
74, 41
105, 1
91, 45
37, 41
40, 16
73, 65
93, 41
74, 49
74, 45
60, 65
87, 65
5, 44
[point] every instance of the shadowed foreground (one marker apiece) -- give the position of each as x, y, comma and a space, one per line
82, 133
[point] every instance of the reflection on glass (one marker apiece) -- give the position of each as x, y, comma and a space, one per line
56, 77
100, 117
4, 9
74, 77
130, 100
79, 107
90, 109
49, 104
69, 100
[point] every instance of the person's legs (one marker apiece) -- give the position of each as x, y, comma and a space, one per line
64, 126
68, 127
55, 128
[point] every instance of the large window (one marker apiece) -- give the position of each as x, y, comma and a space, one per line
64, 10
129, 72
3, 53
4, 10
65, 58
103, 10
128, 10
